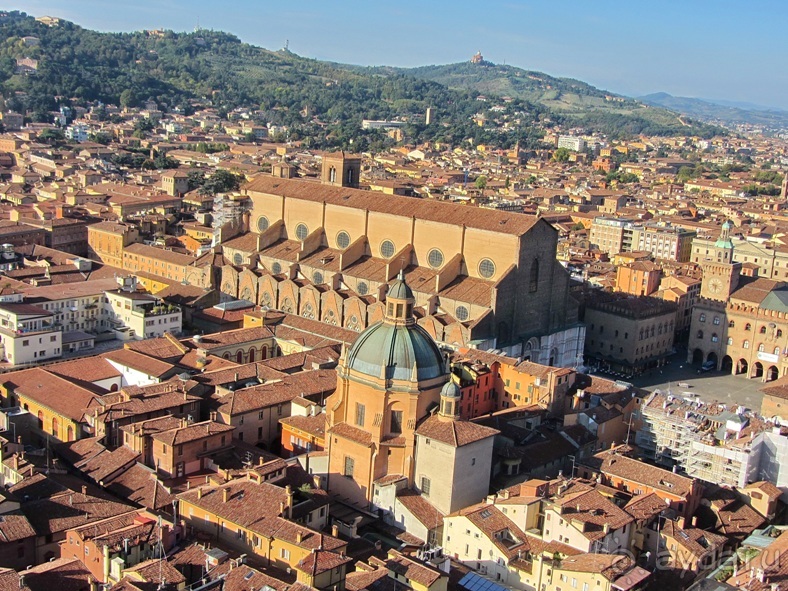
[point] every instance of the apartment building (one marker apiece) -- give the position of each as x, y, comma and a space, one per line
135, 315
664, 242
612, 235
28, 334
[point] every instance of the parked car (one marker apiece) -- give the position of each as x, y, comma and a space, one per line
708, 366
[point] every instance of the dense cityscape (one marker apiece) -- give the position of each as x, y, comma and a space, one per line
430, 339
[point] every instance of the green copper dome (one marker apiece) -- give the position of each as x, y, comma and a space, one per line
397, 348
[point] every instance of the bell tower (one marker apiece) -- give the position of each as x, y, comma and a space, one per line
341, 170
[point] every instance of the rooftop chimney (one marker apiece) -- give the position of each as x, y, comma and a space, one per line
335, 530
226, 495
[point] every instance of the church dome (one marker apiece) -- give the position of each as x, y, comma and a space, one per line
450, 390
397, 348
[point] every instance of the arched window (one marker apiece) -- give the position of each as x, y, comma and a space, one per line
716, 320
714, 337
762, 330
264, 352
70, 433
702, 318
349, 176
700, 334
40, 420
533, 283
746, 344
761, 348
777, 350
332, 175
239, 357
748, 326
251, 355
55, 428
731, 324
730, 340
779, 333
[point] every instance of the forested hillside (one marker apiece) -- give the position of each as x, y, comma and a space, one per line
181, 70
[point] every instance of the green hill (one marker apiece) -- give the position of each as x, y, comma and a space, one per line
574, 101
179, 70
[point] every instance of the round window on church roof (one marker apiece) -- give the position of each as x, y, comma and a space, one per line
387, 249
486, 268
317, 277
238, 259
435, 258
262, 223
276, 268
461, 312
302, 232
362, 288
343, 240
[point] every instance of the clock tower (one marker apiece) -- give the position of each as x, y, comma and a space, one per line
720, 273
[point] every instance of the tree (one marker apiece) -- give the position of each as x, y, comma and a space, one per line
128, 99
52, 136
562, 155
221, 181
195, 178
481, 182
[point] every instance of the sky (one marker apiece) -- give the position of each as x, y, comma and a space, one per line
715, 49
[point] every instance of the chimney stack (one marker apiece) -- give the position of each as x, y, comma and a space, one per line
84, 490
299, 537
225, 495
335, 530
199, 493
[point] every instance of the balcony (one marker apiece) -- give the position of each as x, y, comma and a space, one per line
158, 310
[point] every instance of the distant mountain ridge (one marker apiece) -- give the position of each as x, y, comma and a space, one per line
723, 112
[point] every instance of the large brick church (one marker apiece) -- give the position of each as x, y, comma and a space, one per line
481, 278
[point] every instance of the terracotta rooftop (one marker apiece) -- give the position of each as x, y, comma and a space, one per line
394, 205
454, 433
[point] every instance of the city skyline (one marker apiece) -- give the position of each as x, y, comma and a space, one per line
703, 50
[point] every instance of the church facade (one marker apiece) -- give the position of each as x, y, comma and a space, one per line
481, 278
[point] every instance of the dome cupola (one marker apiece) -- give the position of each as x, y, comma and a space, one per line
397, 348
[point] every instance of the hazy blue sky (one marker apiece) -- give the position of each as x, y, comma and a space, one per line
722, 49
